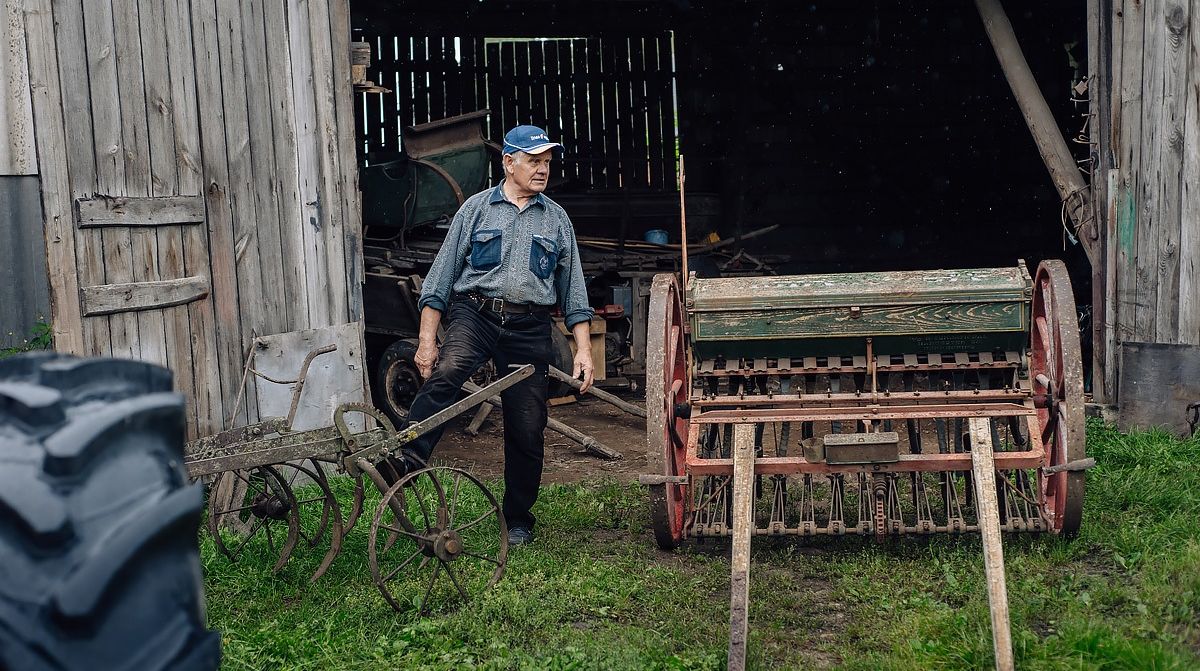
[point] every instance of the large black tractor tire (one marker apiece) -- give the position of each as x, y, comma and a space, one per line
99, 564
562, 359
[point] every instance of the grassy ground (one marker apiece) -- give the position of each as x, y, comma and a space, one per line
594, 593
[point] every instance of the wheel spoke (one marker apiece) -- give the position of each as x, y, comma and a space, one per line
406, 562
481, 557
454, 579
454, 500
249, 534
475, 521
437, 568
410, 534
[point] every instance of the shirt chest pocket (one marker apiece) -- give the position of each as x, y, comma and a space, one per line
543, 257
485, 249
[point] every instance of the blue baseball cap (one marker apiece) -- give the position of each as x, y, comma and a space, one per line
529, 139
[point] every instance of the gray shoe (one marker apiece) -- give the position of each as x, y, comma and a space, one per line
519, 536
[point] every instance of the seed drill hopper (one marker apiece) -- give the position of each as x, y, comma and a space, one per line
878, 404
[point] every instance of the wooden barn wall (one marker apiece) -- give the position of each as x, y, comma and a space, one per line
193, 190
609, 99
1147, 57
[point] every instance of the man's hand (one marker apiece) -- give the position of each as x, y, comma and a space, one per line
583, 355
583, 365
425, 358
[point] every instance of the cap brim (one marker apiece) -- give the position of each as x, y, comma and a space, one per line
543, 147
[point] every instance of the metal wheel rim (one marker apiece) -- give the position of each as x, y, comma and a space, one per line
1055, 353
331, 514
279, 488
445, 519
666, 314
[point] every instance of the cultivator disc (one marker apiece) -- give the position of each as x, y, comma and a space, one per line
438, 536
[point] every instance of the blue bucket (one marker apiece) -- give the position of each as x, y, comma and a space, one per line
657, 236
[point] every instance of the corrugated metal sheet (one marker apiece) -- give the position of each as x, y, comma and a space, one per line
24, 285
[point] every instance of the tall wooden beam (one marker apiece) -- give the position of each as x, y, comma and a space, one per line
1050, 143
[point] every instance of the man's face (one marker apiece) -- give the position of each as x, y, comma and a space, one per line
528, 172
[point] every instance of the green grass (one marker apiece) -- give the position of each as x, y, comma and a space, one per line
593, 592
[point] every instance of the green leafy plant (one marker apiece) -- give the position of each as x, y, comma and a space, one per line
41, 337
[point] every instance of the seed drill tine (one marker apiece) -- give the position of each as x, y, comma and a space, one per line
743, 525
984, 467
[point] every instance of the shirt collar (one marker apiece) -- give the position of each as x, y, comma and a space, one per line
499, 197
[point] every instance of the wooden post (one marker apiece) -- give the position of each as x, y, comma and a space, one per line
984, 468
743, 525
1072, 188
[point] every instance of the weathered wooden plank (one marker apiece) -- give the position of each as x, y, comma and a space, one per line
983, 466
50, 131
1128, 161
116, 245
538, 112
308, 170
495, 91
666, 72
1150, 216
215, 175
508, 84
256, 299
961, 318
567, 108
17, 149
347, 160
654, 111
263, 184
108, 299
1189, 235
420, 69
521, 84
437, 76
553, 85
156, 210
611, 128
743, 530
164, 182
637, 111
333, 219
205, 410
1175, 75
151, 342
285, 181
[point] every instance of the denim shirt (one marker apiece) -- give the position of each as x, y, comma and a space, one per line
526, 256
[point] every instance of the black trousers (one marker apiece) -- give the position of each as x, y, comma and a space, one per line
472, 337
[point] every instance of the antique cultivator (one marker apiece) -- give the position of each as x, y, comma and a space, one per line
435, 522
878, 404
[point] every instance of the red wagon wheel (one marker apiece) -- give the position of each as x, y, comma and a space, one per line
666, 386
1057, 370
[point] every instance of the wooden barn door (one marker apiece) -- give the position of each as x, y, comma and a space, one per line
196, 189
122, 118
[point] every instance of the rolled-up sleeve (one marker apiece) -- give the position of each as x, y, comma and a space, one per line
568, 281
448, 264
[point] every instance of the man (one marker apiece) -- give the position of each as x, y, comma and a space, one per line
509, 258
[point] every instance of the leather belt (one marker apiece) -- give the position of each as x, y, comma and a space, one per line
500, 306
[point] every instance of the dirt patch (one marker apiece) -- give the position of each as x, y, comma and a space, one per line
566, 461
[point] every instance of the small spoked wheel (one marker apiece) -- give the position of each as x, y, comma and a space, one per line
438, 536
317, 507
252, 504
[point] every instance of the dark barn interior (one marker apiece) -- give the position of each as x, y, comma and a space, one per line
877, 135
